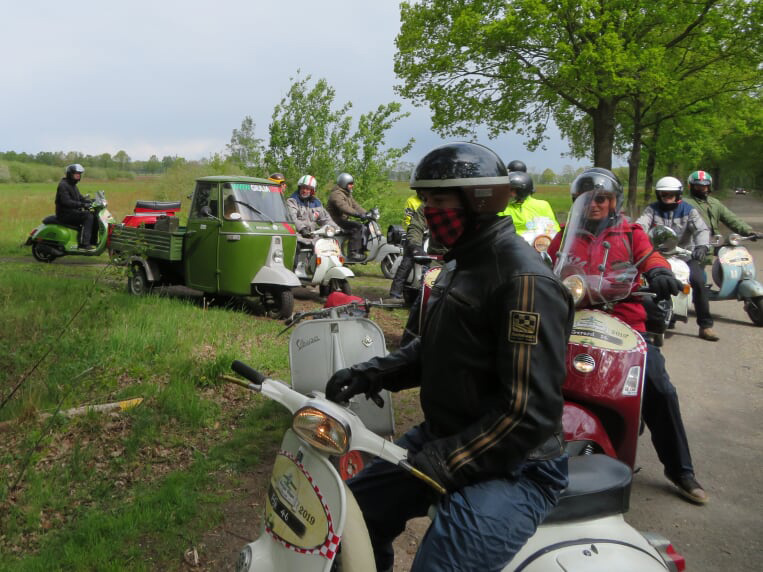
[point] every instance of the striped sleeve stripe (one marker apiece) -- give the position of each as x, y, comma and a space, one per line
521, 354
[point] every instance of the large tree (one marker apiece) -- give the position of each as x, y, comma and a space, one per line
519, 64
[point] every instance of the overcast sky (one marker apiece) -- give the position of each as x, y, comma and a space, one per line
172, 77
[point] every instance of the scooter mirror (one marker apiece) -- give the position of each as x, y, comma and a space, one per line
663, 238
716, 240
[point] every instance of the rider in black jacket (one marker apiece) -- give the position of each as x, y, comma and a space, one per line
72, 207
490, 361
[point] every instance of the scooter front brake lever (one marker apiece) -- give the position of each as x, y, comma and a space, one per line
376, 398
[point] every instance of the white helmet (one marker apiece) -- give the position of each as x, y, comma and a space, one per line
668, 185
307, 181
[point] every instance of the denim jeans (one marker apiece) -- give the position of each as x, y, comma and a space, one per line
479, 527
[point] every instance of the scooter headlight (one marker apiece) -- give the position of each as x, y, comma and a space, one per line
319, 429
244, 559
734, 239
330, 232
576, 285
542, 242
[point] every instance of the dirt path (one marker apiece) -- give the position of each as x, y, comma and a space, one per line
721, 390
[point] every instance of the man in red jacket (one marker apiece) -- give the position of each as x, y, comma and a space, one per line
600, 238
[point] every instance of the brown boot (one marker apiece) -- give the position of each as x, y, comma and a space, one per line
708, 334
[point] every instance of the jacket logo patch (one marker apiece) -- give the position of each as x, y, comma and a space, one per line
523, 327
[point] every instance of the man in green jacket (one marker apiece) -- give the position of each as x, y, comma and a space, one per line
713, 211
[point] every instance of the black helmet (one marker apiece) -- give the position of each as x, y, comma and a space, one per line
522, 185
597, 179
74, 168
473, 169
344, 180
517, 165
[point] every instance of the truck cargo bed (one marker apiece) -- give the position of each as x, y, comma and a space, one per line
147, 242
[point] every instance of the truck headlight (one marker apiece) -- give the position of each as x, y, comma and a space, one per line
319, 429
278, 256
576, 285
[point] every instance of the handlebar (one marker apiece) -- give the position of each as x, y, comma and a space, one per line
335, 311
248, 372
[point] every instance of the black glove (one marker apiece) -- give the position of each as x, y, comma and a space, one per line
699, 253
663, 283
347, 383
418, 250
305, 231
428, 461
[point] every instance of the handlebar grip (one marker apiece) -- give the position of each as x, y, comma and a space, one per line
248, 372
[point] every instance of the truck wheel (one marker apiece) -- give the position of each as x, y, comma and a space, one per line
754, 309
137, 281
42, 253
278, 303
387, 263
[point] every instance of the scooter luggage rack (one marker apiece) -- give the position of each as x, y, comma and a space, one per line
335, 338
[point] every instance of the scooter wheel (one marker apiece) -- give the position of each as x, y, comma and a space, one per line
387, 264
754, 309
335, 285
42, 253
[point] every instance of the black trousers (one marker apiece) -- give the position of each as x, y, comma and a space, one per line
355, 230
85, 219
662, 416
699, 295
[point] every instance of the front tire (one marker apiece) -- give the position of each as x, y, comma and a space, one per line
387, 263
754, 309
335, 285
42, 253
138, 283
278, 302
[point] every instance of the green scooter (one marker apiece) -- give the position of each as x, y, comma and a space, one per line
53, 239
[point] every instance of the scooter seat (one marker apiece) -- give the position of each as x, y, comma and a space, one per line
51, 219
599, 486
157, 205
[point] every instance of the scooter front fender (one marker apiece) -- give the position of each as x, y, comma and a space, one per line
387, 249
337, 272
580, 424
749, 289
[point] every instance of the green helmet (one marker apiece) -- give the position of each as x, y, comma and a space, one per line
700, 178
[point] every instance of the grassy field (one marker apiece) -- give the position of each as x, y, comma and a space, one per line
129, 491
134, 491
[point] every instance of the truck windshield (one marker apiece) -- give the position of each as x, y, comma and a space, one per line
253, 202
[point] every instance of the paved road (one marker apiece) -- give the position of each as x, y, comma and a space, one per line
720, 386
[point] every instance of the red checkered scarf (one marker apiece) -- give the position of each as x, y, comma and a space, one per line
446, 225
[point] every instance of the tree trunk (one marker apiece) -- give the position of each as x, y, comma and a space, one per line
603, 132
634, 159
651, 164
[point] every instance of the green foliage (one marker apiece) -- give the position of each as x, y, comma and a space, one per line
245, 150
308, 135
516, 65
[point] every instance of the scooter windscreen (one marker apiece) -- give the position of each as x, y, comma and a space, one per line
594, 258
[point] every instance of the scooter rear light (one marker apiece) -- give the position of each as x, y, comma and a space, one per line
678, 561
341, 259
686, 289
673, 560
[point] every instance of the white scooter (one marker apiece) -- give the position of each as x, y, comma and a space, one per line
312, 519
375, 245
664, 239
322, 263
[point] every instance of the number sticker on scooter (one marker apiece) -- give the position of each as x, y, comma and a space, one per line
295, 512
598, 329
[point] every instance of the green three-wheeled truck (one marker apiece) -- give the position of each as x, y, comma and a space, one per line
238, 241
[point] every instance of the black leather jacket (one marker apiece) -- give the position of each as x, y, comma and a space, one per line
68, 197
491, 357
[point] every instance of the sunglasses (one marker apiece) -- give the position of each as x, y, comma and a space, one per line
601, 199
